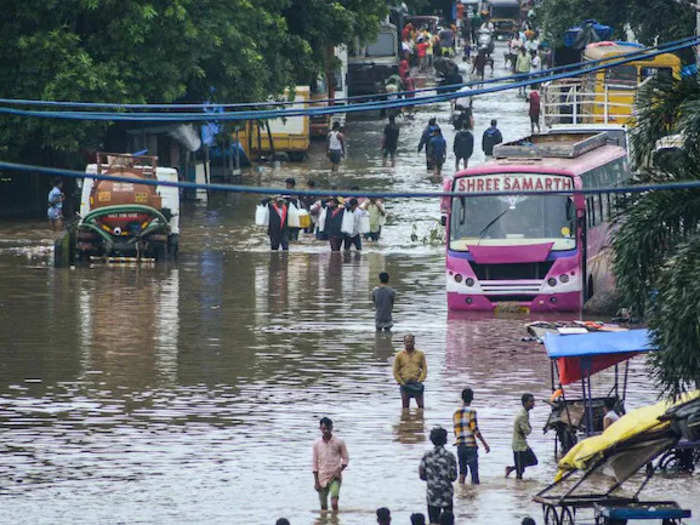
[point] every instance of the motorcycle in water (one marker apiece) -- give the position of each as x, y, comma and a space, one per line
485, 40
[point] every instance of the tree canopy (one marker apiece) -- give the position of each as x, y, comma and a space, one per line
160, 51
648, 19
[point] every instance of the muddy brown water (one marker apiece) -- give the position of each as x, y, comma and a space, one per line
191, 392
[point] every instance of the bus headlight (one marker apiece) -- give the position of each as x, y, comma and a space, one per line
469, 281
564, 278
458, 277
552, 281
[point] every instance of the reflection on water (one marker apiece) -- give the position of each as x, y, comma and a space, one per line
191, 393
410, 428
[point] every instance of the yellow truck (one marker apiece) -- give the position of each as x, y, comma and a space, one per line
290, 136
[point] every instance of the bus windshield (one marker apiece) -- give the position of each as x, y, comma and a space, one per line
512, 220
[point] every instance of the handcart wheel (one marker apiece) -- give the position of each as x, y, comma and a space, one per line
550, 515
566, 517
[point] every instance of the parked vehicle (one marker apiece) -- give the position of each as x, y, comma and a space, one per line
431, 23
541, 252
330, 86
290, 135
369, 66
505, 16
126, 219
606, 96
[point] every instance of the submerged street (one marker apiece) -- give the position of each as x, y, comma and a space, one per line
190, 392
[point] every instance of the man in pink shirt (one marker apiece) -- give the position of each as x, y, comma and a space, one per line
330, 457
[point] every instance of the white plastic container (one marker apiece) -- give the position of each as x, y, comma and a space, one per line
262, 215
348, 224
293, 216
322, 220
363, 226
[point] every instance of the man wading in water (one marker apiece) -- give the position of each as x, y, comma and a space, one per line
383, 300
466, 431
410, 370
523, 455
330, 457
439, 469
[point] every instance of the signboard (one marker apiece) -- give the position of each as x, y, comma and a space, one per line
513, 182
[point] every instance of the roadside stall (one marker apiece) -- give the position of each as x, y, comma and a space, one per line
575, 359
632, 442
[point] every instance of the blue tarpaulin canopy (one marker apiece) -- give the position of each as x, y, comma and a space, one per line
589, 31
597, 343
581, 355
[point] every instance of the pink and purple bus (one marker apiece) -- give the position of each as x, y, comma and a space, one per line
542, 252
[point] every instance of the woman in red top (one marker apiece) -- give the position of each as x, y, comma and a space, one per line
534, 99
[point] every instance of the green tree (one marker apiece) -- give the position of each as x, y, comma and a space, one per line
556, 16
657, 237
136, 51
324, 24
650, 20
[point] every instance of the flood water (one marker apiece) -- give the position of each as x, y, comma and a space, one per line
191, 392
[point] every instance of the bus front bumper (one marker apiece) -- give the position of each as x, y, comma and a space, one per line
554, 302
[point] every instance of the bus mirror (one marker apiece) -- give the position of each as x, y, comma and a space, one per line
462, 212
443, 220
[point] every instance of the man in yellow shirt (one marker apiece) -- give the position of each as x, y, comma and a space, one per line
410, 370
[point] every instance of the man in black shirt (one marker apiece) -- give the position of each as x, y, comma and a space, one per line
491, 137
463, 147
390, 141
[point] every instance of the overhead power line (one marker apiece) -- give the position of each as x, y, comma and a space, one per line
232, 188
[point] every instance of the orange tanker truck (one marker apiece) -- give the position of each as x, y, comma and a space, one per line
127, 219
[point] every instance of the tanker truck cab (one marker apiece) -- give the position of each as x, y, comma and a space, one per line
125, 219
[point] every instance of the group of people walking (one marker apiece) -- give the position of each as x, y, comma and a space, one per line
463, 145
439, 467
342, 222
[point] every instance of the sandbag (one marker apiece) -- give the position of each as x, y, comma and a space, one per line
348, 225
262, 215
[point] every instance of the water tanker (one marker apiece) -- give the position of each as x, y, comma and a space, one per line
127, 219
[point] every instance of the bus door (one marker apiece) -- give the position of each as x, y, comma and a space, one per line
582, 226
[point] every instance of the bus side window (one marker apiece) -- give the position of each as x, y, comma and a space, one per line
590, 211
601, 215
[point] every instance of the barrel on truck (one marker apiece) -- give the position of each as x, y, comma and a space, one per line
124, 218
